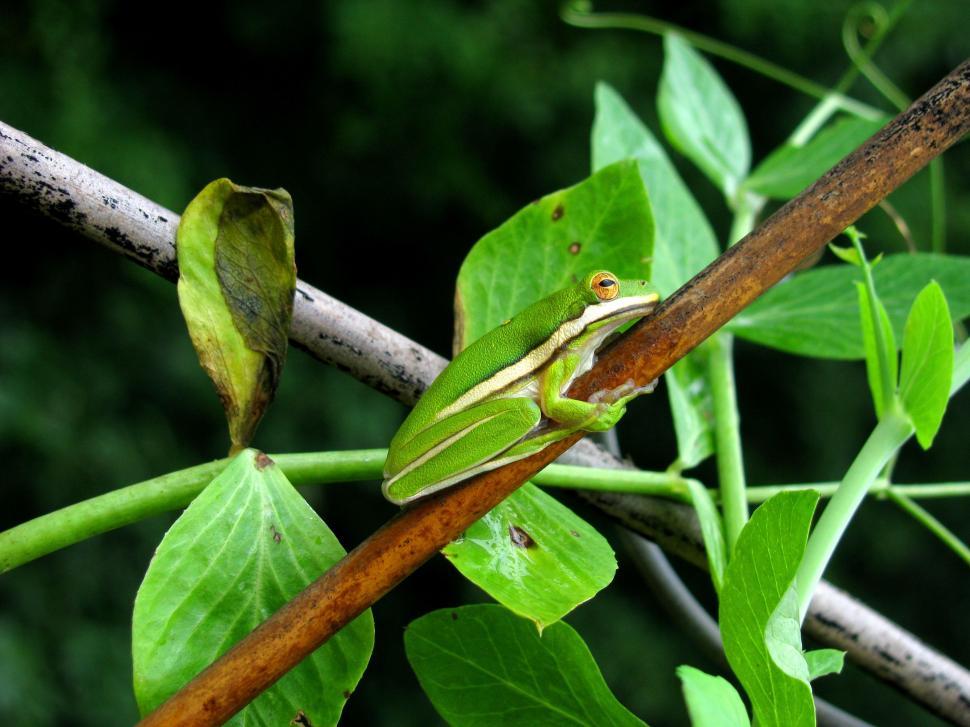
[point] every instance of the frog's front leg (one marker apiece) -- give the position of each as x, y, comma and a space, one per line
601, 412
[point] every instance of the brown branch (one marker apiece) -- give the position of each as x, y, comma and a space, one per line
932, 124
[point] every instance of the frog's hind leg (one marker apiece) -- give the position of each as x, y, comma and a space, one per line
460, 446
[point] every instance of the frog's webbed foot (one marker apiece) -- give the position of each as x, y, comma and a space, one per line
622, 393
611, 404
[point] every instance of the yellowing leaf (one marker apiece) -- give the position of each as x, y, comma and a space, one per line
236, 282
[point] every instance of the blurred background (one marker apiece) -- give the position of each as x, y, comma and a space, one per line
404, 130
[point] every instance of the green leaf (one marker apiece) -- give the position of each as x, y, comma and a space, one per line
712, 530
927, 369
711, 700
790, 169
846, 254
874, 371
236, 283
692, 407
759, 611
244, 547
535, 556
683, 245
603, 222
701, 117
822, 662
816, 313
483, 666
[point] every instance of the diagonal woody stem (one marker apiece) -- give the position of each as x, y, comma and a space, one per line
109, 213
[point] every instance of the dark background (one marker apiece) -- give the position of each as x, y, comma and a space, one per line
404, 132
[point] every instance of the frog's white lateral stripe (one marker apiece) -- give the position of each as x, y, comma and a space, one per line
476, 469
636, 306
437, 449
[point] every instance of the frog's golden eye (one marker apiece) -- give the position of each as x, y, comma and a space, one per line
605, 286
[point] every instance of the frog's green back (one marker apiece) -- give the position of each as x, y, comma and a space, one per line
497, 350
501, 361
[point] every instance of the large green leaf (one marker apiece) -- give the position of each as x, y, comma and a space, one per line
927, 368
816, 313
242, 549
603, 222
711, 700
683, 245
236, 282
790, 169
483, 666
701, 117
759, 611
535, 556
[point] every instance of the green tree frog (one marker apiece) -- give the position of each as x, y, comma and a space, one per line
502, 398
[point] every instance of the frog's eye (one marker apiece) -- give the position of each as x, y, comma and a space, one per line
605, 286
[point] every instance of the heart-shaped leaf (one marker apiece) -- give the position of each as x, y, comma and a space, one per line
483, 666
535, 556
603, 222
244, 547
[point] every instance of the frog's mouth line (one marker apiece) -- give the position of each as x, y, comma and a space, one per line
636, 313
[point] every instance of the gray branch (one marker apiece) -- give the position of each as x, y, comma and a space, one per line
103, 210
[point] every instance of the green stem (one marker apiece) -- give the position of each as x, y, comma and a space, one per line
862, 58
727, 435
637, 482
829, 104
889, 435
727, 425
88, 518
82, 520
881, 488
746, 207
932, 524
575, 14
814, 121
